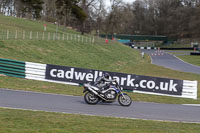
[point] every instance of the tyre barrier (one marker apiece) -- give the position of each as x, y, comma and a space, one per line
195, 53
22, 69
76, 76
144, 47
158, 53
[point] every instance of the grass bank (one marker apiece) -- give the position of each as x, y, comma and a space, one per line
195, 60
13, 23
18, 121
185, 56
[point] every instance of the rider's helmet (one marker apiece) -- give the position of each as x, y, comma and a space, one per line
107, 75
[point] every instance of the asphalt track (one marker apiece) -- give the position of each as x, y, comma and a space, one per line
76, 105
164, 59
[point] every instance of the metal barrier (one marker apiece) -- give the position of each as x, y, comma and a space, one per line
12, 68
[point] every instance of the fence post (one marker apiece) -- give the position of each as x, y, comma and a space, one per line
58, 36
78, 38
48, 35
67, 36
54, 36
7, 34
71, 37
93, 40
30, 35
63, 36
37, 36
75, 36
16, 34
23, 35
43, 36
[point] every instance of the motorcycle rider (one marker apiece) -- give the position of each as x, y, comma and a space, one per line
103, 82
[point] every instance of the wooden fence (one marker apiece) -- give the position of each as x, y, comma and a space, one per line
33, 35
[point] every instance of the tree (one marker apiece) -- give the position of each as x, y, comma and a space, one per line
113, 17
194, 23
69, 7
49, 12
6, 7
32, 7
98, 14
89, 7
139, 12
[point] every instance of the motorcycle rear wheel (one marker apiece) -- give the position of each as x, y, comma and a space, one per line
91, 98
124, 100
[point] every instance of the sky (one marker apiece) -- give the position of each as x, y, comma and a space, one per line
107, 2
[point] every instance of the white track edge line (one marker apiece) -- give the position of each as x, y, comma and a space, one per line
98, 115
39, 92
193, 105
186, 62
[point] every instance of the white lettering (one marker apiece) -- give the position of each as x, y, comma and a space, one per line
69, 74
123, 80
60, 74
95, 75
130, 81
151, 84
79, 75
89, 77
172, 86
52, 73
142, 83
100, 73
163, 86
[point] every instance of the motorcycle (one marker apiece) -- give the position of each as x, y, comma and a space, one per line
93, 95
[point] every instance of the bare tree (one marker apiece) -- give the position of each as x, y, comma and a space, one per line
49, 10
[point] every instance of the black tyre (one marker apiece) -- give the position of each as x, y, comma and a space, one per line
91, 98
124, 100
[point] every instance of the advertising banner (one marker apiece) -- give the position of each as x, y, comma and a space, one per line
127, 81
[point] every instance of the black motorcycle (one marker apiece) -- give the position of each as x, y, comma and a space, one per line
93, 95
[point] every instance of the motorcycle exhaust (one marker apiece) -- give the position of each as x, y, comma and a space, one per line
93, 91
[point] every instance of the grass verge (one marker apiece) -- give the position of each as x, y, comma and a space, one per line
195, 60
18, 121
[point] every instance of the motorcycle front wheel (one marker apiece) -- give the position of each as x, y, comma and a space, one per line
124, 100
91, 98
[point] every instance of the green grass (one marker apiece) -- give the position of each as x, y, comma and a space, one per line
71, 53
195, 60
175, 45
17, 121
12, 23
192, 59
177, 53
